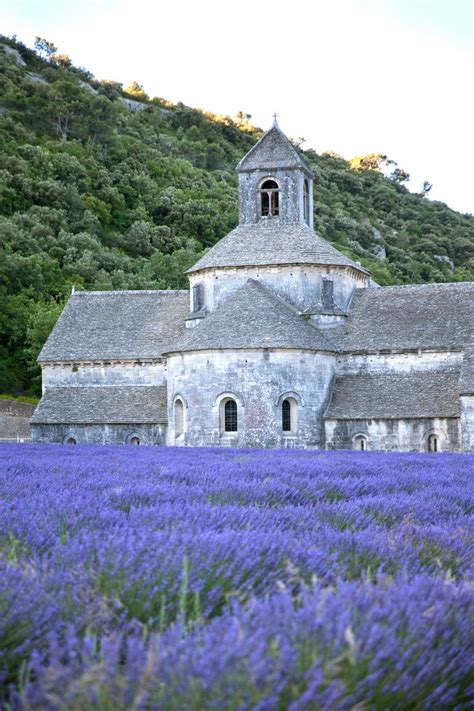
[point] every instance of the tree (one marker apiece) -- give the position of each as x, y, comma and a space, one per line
137, 90
372, 161
399, 176
426, 188
44, 48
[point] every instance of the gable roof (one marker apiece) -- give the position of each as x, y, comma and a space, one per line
108, 325
102, 405
271, 242
392, 396
426, 316
271, 152
253, 317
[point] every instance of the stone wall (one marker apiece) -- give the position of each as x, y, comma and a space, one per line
467, 422
299, 284
257, 380
111, 373
15, 408
290, 197
409, 435
99, 434
379, 364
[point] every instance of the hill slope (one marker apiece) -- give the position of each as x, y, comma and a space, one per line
106, 190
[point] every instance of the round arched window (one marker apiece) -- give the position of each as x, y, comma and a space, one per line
230, 416
433, 443
360, 442
269, 198
71, 440
135, 440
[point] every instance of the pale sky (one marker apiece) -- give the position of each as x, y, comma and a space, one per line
351, 76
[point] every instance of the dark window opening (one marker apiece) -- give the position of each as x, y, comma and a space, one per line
230, 416
135, 440
71, 440
327, 295
286, 416
306, 201
432, 443
269, 198
197, 297
360, 442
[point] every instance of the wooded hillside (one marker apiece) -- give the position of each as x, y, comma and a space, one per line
106, 189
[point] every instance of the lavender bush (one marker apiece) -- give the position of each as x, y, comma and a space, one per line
206, 579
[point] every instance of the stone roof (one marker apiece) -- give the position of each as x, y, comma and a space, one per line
466, 385
271, 242
113, 325
253, 317
392, 396
426, 316
273, 151
101, 405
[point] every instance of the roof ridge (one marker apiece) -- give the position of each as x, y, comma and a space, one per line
441, 284
275, 128
132, 292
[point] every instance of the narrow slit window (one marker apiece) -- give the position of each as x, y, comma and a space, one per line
360, 442
269, 198
432, 443
306, 201
178, 418
230, 416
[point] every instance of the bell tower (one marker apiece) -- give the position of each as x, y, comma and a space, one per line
275, 184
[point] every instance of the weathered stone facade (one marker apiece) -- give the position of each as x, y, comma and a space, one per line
281, 341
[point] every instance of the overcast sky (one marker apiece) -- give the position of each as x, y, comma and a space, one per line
354, 77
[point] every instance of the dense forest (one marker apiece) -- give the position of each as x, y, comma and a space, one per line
103, 187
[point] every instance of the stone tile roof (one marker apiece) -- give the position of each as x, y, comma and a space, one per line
426, 316
273, 151
466, 385
271, 242
102, 405
107, 325
391, 396
253, 317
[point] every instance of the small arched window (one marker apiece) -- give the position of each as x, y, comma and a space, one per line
360, 442
432, 443
230, 416
178, 418
306, 201
135, 440
269, 198
71, 440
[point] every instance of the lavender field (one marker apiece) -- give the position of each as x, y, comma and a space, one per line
155, 578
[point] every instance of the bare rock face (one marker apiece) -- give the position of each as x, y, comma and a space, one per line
445, 260
88, 87
132, 105
14, 54
36, 78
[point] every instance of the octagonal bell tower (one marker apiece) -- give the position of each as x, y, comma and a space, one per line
275, 184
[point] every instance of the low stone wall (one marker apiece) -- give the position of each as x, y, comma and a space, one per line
15, 420
18, 409
404, 435
99, 434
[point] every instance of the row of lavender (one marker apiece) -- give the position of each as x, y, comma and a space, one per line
177, 578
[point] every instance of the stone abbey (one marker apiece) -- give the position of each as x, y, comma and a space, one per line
281, 341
